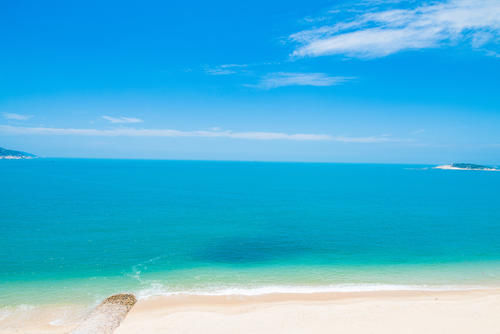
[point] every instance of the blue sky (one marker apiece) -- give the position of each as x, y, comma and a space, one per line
339, 81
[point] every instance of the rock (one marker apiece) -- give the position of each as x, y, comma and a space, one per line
106, 317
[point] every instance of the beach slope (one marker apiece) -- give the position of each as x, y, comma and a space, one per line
377, 312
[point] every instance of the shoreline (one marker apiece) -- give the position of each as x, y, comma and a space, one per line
311, 312
344, 312
313, 290
450, 167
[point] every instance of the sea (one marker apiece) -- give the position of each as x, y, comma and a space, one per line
74, 231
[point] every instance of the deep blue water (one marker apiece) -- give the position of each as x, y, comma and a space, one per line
87, 228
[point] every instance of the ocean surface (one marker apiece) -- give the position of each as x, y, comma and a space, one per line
78, 230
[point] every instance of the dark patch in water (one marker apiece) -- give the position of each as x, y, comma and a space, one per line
247, 250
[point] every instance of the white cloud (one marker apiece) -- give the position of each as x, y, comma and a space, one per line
132, 132
381, 33
123, 119
219, 71
481, 38
281, 79
365, 140
17, 117
493, 53
225, 69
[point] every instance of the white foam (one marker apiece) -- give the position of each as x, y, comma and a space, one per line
4, 313
64, 318
21, 312
160, 290
57, 322
138, 268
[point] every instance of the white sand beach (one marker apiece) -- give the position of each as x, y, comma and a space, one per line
373, 312
470, 311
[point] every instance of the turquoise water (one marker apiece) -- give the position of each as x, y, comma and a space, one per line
78, 229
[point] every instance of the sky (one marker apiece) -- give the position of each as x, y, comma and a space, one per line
329, 81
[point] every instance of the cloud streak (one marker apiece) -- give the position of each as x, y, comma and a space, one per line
17, 117
133, 132
122, 119
225, 69
385, 32
282, 79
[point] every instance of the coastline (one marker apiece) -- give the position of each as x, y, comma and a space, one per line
450, 167
409, 311
15, 157
352, 312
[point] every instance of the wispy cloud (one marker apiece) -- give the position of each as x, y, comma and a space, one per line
225, 69
17, 117
493, 53
133, 132
281, 79
366, 140
123, 119
384, 32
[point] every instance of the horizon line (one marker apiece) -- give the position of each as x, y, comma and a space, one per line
254, 161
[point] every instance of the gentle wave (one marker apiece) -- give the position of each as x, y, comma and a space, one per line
160, 290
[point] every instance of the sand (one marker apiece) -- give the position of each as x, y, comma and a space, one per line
472, 311
376, 312
53, 319
107, 316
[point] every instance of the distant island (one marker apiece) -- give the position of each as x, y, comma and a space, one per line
11, 154
467, 166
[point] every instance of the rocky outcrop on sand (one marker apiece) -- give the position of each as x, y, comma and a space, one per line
106, 317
